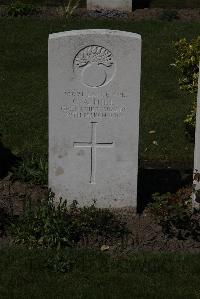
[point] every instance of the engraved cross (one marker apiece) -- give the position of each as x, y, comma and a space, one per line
93, 145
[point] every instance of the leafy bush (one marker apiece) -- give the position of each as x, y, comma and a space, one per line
187, 62
165, 205
19, 9
174, 213
169, 15
190, 122
51, 226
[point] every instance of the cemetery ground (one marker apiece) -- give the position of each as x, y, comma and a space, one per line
163, 145
151, 3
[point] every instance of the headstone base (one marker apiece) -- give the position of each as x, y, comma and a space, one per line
124, 5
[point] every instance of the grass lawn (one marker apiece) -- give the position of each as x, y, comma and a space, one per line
46, 2
152, 3
175, 3
24, 85
94, 275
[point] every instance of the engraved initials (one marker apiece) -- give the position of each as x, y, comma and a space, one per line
93, 145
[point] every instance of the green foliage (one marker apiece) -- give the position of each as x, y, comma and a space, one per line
19, 9
190, 122
174, 213
166, 205
34, 169
69, 8
44, 226
187, 62
169, 15
56, 225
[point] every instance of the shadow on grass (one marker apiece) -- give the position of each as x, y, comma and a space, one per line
7, 160
161, 181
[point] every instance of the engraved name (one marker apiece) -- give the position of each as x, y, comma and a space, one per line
110, 104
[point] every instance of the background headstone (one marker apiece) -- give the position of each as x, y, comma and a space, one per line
125, 5
196, 195
94, 97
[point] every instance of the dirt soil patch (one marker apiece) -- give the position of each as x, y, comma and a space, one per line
146, 234
14, 193
186, 14
156, 13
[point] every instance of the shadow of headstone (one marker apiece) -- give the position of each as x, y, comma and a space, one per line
137, 4
7, 160
161, 181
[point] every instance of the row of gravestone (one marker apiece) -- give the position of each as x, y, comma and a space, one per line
94, 98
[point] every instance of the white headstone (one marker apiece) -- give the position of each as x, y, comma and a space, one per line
125, 5
196, 194
94, 97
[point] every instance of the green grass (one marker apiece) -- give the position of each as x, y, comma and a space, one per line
24, 83
153, 3
24, 274
44, 2
175, 3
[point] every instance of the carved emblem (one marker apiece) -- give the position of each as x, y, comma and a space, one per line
94, 65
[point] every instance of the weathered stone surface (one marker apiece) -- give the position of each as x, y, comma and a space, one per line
125, 5
196, 194
94, 97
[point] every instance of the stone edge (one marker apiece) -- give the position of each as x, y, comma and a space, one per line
92, 32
